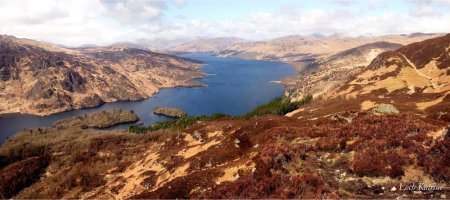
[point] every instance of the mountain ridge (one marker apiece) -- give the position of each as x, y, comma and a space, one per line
403, 78
41, 78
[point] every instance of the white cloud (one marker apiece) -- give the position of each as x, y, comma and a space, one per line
268, 25
134, 10
344, 2
179, 3
423, 11
80, 22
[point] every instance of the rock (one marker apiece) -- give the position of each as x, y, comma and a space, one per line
171, 112
236, 143
197, 135
236, 176
339, 118
417, 192
91, 101
385, 108
393, 189
350, 179
443, 196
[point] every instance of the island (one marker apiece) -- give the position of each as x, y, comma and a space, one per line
103, 119
170, 112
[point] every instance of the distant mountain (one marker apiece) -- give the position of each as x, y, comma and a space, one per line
128, 45
292, 48
317, 35
41, 78
206, 45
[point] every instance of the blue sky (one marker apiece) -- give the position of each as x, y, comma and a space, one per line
76, 22
216, 10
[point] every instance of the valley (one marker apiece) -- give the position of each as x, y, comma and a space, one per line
235, 99
384, 126
230, 86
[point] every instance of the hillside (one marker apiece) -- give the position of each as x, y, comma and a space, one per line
261, 157
318, 76
41, 78
413, 78
294, 48
350, 143
322, 62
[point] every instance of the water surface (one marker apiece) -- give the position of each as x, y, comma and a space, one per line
235, 86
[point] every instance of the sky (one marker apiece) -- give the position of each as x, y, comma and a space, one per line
101, 22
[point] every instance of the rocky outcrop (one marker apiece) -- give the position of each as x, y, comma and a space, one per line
385, 109
42, 79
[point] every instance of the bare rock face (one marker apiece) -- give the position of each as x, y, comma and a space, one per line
40, 78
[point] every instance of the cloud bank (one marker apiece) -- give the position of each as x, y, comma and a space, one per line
106, 21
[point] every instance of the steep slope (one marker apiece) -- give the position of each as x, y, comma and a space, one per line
40, 78
413, 78
318, 76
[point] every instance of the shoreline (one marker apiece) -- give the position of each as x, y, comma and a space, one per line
192, 84
35, 119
